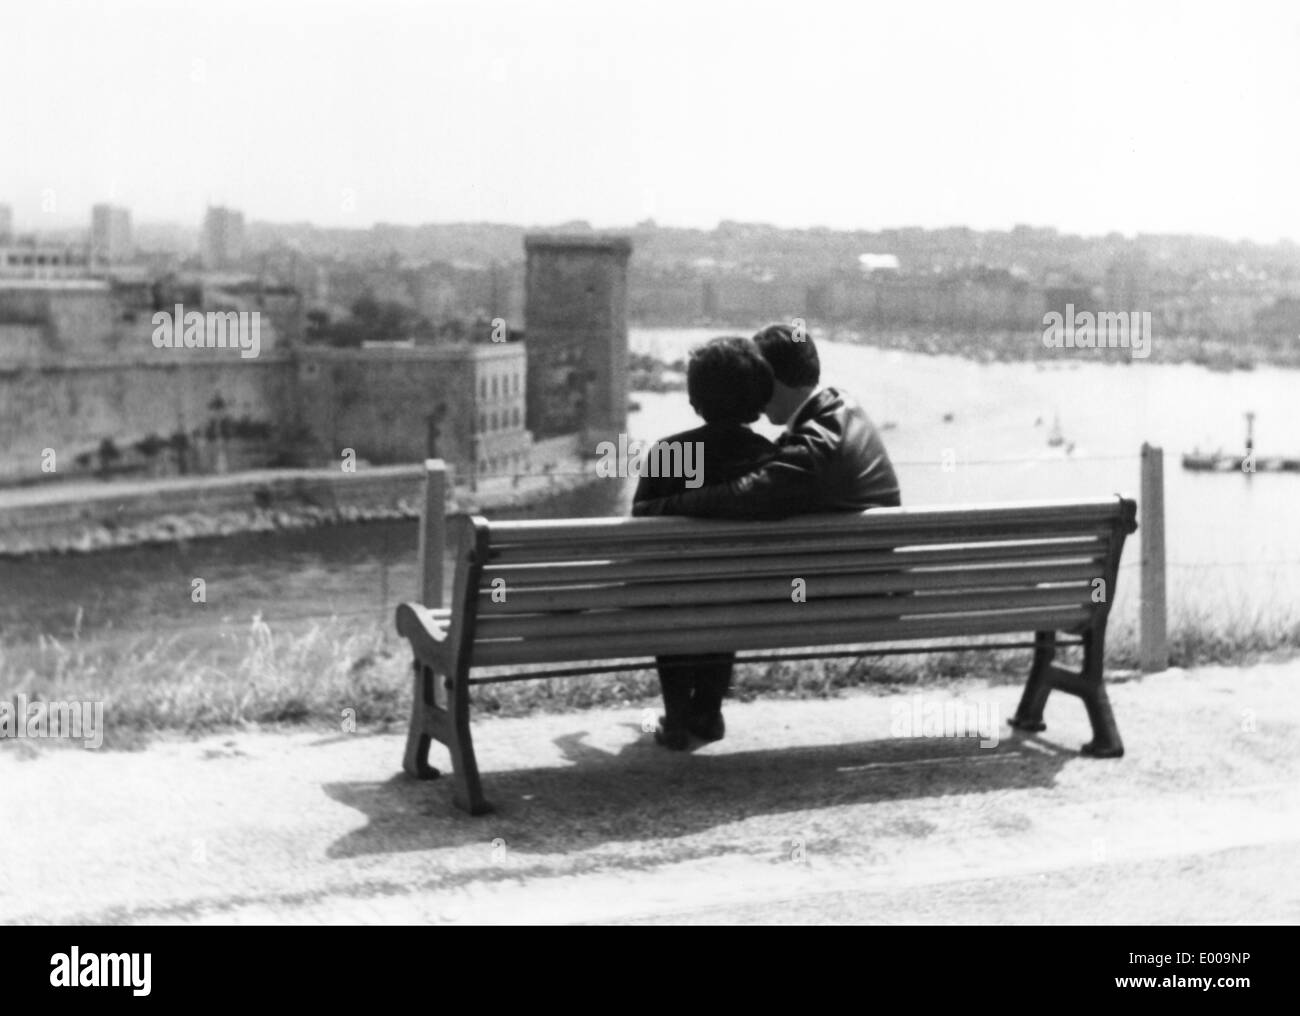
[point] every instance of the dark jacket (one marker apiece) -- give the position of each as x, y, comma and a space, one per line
831, 459
730, 450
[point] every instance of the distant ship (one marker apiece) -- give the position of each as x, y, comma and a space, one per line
1219, 462
1212, 462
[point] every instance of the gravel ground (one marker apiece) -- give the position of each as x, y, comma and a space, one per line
808, 812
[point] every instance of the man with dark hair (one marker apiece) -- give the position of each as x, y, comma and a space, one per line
830, 458
728, 383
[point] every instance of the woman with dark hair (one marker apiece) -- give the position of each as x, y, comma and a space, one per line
729, 382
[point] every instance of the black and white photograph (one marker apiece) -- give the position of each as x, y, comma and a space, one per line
582, 463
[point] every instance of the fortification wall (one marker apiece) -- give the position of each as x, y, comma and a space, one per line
72, 408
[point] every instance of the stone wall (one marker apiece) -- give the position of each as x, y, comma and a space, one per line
77, 316
72, 408
382, 403
387, 405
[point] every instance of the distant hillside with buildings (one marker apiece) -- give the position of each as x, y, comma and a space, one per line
944, 285
959, 283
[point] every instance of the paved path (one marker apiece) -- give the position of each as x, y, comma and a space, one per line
809, 812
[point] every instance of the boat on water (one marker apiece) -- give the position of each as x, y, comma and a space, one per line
1055, 439
1211, 462
1221, 462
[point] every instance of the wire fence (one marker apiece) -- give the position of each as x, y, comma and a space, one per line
911, 463
378, 573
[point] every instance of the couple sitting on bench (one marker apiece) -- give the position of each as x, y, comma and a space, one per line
830, 458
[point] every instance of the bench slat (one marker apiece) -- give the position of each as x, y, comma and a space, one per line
767, 636
579, 625
707, 590
525, 575
695, 545
1069, 515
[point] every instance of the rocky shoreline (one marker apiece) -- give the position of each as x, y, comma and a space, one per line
295, 510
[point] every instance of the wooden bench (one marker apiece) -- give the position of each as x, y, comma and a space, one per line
576, 596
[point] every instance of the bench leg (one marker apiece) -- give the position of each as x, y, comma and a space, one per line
1045, 677
1029, 714
1105, 741
450, 726
421, 733
467, 791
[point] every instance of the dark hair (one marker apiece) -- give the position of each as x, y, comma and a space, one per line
794, 362
728, 381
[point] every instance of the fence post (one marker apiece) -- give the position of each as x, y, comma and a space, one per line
433, 532
1154, 646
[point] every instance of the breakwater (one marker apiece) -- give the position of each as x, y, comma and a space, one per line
86, 517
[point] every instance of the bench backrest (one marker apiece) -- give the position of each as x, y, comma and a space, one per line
613, 588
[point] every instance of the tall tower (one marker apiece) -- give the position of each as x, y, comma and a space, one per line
110, 235
223, 238
575, 328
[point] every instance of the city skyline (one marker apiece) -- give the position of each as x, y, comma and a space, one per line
1170, 119
79, 229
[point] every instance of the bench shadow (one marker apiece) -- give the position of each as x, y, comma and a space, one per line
643, 792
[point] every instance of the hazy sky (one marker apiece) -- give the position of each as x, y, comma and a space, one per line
1092, 117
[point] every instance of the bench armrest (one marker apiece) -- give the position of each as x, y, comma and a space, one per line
426, 629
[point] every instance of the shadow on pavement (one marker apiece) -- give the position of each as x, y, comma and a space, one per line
643, 792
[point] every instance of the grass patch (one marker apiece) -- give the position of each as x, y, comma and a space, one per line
332, 673
262, 677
